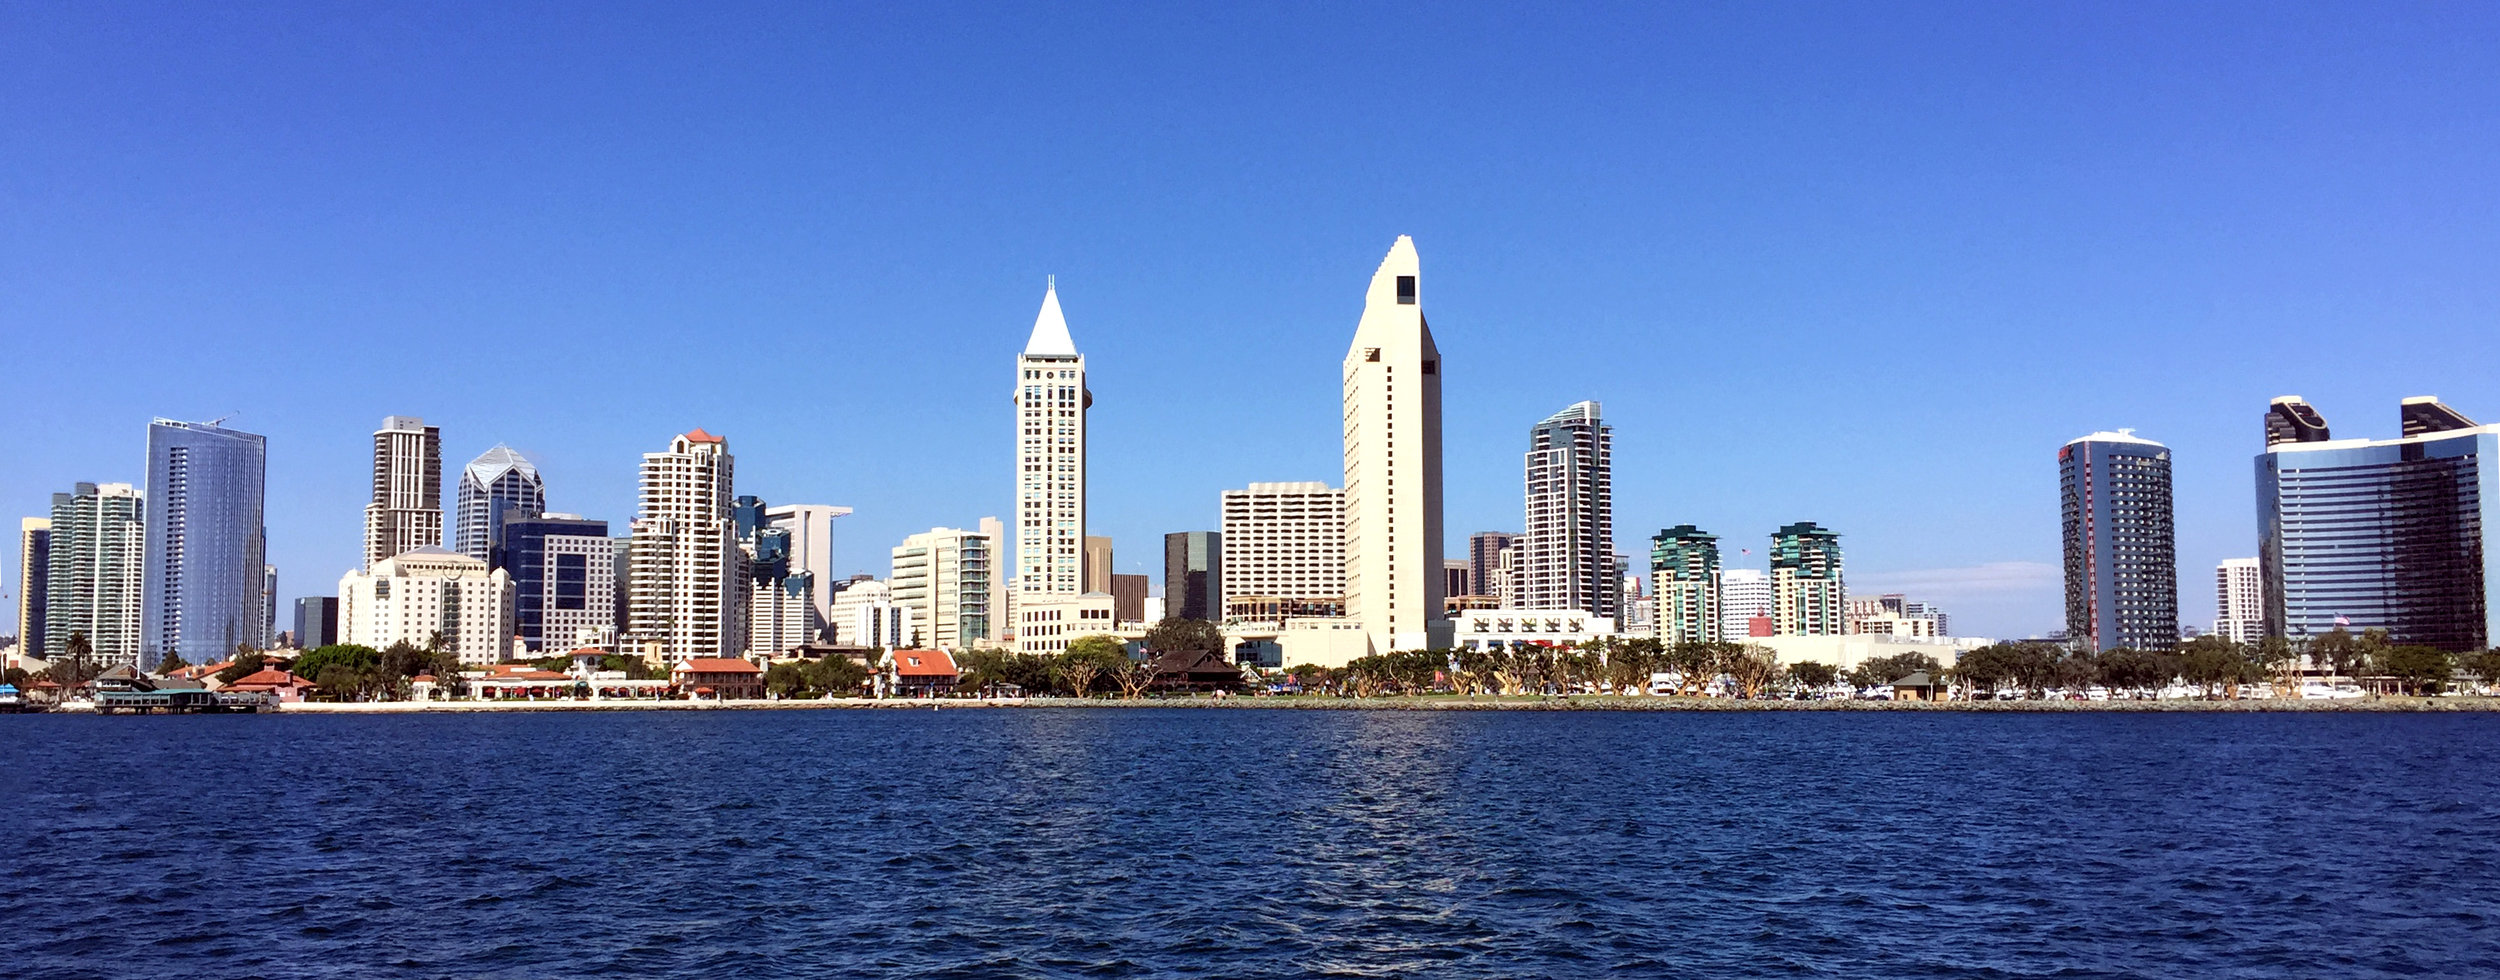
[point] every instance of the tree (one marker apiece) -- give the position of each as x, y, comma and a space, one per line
785, 680
1629, 664
2418, 669
173, 661
1136, 676
1813, 676
1177, 635
1878, 671
2339, 651
837, 675
2279, 661
1752, 667
2211, 661
2483, 666
1091, 658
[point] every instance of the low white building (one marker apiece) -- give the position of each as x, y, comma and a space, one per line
1478, 629
1845, 652
1045, 622
865, 614
413, 595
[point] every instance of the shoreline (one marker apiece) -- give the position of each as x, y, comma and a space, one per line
2385, 705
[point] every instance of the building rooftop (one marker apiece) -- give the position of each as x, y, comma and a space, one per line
1050, 328
2126, 436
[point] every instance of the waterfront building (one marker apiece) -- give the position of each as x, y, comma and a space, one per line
2122, 569
1393, 463
1051, 400
498, 485
1193, 574
563, 572
1568, 553
1684, 562
94, 582
1283, 542
1486, 629
414, 596
406, 512
1895, 614
1744, 604
811, 545
205, 566
1097, 564
1128, 598
316, 621
2393, 534
1808, 595
34, 567
1045, 623
949, 579
686, 591
2239, 600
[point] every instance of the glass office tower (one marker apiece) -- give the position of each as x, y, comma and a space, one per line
2389, 534
205, 540
563, 578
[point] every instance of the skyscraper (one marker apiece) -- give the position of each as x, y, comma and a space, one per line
316, 621
686, 588
2122, 569
1283, 541
1098, 564
1193, 575
1484, 562
205, 568
406, 512
1744, 596
94, 585
1569, 554
1808, 595
781, 611
948, 578
1051, 400
2393, 534
268, 606
493, 486
34, 566
1684, 562
1393, 464
563, 580
811, 546
2239, 600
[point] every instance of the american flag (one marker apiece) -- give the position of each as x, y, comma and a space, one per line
2341, 621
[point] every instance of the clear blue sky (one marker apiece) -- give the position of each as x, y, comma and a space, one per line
1864, 264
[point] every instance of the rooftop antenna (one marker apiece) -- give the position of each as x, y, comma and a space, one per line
1050, 283
220, 421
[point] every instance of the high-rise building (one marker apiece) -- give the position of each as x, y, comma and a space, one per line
34, 567
563, 574
268, 607
2393, 534
687, 591
865, 614
1051, 400
1684, 562
1571, 526
1393, 464
1484, 564
1283, 541
94, 585
949, 579
205, 567
426, 595
1193, 575
406, 512
1098, 564
781, 609
496, 486
2239, 600
811, 546
1808, 595
1128, 598
1744, 602
2122, 569
316, 621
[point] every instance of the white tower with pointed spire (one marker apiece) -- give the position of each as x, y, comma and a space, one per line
1050, 400
1393, 464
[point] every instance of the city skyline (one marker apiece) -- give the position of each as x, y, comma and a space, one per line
1975, 213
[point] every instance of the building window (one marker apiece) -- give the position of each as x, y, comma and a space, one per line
1406, 290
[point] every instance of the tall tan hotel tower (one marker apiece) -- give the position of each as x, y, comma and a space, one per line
1393, 464
1050, 456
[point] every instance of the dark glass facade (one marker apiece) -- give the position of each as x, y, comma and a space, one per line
2122, 562
1193, 575
204, 568
2388, 535
542, 581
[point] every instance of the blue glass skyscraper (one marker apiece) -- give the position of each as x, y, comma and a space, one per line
2389, 534
563, 577
204, 572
